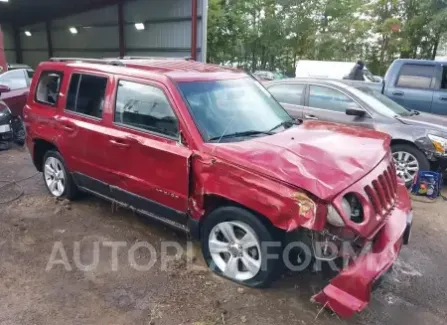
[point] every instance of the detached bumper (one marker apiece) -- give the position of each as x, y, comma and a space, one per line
350, 291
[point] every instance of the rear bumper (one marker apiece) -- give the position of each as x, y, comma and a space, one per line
350, 291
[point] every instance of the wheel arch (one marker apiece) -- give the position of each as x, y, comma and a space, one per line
212, 202
395, 142
41, 146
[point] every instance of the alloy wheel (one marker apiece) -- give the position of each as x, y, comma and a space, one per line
407, 165
55, 177
236, 250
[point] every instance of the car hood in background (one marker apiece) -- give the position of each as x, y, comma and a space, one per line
321, 157
437, 122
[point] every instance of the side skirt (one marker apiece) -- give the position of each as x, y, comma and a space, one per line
133, 202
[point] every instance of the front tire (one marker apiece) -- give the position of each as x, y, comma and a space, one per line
237, 245
409, 161
58, 180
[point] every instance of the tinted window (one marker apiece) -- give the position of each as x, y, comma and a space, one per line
416, 76
86, 94
145, 107
48, 88
14, 79
30, 73
444, 77
289, 94
330, 99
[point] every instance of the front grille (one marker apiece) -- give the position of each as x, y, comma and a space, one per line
382, 191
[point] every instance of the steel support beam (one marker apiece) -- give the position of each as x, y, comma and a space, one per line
194, 30
122, 40
49, 39
18, 45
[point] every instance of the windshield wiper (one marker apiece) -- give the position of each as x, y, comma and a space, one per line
286, 124
241, 134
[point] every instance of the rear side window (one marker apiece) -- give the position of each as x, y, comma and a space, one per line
14, 79
86, 94
330, 99
48, 87
145, 107
416, 76
289, 94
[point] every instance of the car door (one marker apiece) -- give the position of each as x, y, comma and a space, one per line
149, 159
414, 86
17, 81
330, 104
85, 137
291, 97
439, 105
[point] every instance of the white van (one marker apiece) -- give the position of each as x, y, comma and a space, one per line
330, 69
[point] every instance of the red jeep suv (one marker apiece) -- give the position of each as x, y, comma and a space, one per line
208, 150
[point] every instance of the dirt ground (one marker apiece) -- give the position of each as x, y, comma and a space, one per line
415, 291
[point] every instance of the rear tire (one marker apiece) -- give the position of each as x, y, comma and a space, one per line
57, 179
404, 156
236, 244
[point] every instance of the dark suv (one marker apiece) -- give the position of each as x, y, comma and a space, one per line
209, 151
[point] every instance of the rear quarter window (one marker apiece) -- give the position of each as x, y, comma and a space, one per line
416, 76
48, 87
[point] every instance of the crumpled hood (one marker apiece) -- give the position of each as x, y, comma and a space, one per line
321, 157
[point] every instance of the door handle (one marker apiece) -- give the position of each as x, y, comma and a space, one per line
132, 140
119, 143
398, 93
68, 126
443, 98
310, 117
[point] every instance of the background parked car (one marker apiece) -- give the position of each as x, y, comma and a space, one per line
419, 140
6, 133
16, 84
18, 81
329, 69
416, 84
268, 75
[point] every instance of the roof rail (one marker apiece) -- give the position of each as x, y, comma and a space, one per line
88, 60
132, 57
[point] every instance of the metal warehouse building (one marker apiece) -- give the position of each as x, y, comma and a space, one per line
35, 30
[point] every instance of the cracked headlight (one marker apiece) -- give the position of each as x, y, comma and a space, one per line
439, 143
334, 218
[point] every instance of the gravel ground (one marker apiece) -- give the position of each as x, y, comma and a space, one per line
32, 291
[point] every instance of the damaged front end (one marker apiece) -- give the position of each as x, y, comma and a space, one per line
366, 229
6, 132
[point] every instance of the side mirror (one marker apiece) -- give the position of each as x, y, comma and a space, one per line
355, 110
4, 89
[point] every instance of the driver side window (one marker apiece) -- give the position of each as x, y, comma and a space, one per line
145, 107
330, 99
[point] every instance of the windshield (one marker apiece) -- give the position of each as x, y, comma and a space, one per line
230, 107
380, 103
368, 75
